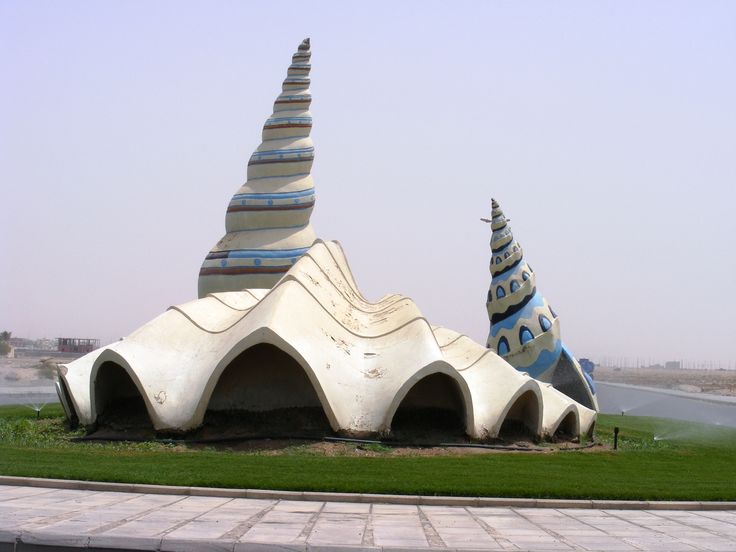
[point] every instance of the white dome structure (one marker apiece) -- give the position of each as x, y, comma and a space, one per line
263, 343
360, 359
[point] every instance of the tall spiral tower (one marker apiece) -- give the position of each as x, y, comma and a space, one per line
267, 222
524, 330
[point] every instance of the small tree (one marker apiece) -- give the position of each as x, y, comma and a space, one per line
5, 347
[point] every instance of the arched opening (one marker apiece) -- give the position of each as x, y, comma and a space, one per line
544, 323
568, 428
568, 380
525, 335
591, 431
265, 392
433, 411
503, 346
522, 419
118, 402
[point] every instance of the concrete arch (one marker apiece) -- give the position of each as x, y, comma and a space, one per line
264, 336
439, 367
65, 398
524, 407
568, 424
114, 367
361, 361
264, 391
591, 430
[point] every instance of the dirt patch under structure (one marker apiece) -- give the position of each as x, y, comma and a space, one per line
273, 433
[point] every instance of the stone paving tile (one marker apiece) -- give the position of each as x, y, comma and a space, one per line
126, 514
285, 523
709, 524
539, 543
729, 517
36, 517
276, 516
604, 543
48, 499
717, 545
15, 521
298, 506
196, 545
569, 533
660, 543
198, 529
346, 507
8, 491
347, 532
80, 517
196, 504
191, 518
277, 533
396, 509
182, 523
462, 538
397, 525
169, 517
150, 528
49, 540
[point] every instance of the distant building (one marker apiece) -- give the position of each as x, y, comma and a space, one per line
77, 344
21, 342
672, 365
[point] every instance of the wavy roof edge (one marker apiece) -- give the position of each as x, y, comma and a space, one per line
361, 358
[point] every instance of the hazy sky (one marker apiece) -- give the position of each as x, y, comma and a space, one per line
606, 130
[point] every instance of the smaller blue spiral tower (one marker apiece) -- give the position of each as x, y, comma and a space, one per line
525, 331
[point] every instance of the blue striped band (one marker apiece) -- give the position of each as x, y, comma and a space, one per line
284, 151
278, 119
283, 195
279, 176
257, 253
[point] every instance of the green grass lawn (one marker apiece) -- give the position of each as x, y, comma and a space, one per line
687, 462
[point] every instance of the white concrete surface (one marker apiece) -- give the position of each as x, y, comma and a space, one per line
361, 357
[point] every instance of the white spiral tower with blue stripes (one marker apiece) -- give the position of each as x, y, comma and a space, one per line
267, 222
525, 331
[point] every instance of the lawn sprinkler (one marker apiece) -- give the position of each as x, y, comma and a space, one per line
36, 408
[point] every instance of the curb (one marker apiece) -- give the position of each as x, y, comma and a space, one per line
364, 497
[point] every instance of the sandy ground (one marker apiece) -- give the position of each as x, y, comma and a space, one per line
716, 382
27, 371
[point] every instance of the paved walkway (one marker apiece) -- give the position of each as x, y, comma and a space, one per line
34, 518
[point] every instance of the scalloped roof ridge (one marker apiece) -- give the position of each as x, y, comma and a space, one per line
361, 357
